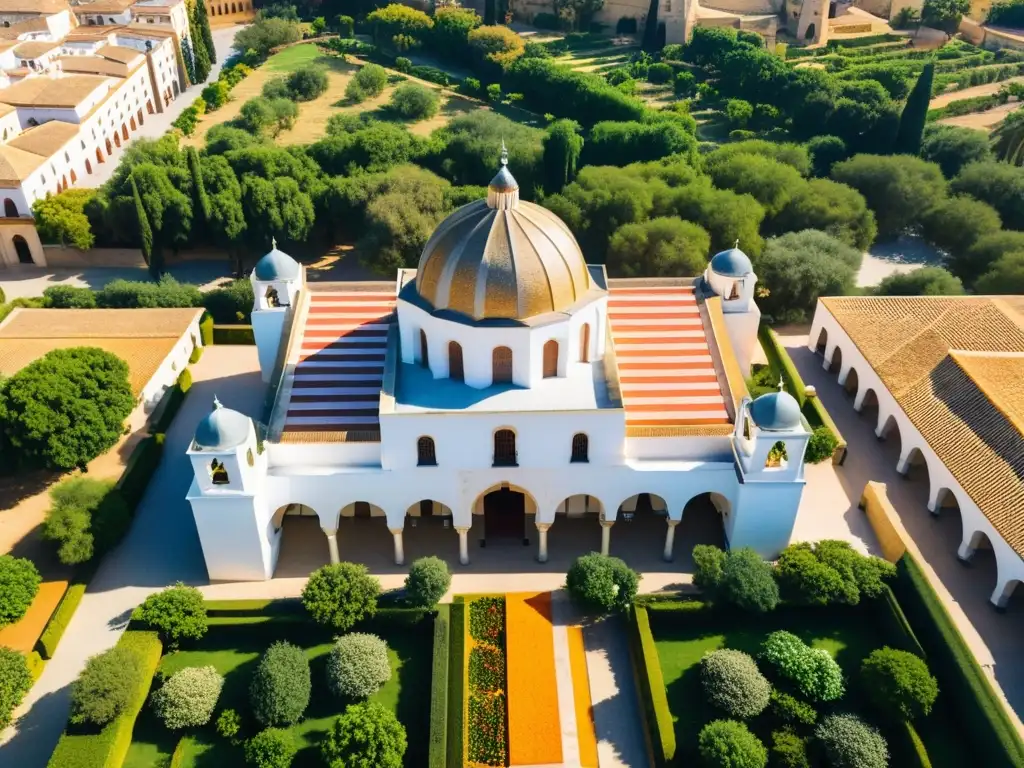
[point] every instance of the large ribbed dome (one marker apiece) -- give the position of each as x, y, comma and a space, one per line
502, 258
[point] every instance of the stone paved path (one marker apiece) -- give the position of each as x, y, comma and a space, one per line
562, 616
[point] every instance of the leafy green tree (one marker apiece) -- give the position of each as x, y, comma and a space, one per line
341, 595
200, 198
998, 184
825, 151
15, 682
926, 281
216, 94
67, 407
145, 231
106, 686
203, 25
202, 58
271, 748
307, 83
898, 684
772, 183
266, 33
413, 101
729, 744
985, 252
449, 37
81, 519
226, 221
372, 147
280, 687
954, 148
472, 148
19, 582
795, 155
944, 15
1004, 276
912, 119
395, 23
805, 580
1008, 138
956, 223
496, 45
276, 208
849, 742
563, 145
661, 247
828, 206
427, 582
739, 113
61, 219
726, 215
622, 143
168, 208
602, 584
177, 613
747, 582
366, 734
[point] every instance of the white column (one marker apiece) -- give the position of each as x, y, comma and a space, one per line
858, 401
670, 538
332, 543
934, 498
463, 532
542, 544
965, 551
1001, 594
844, 374
830, 350
399, 548
606, 535
903, 465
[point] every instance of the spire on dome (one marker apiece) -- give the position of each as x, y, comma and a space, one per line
504, 152
216, 403
503, 191
273, 243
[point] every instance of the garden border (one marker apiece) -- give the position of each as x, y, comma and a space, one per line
456, 743
661, 735
439, 688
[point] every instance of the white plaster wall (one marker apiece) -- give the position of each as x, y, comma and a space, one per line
10, 126
676, 448
763, 517
267, 328
171, 367
329, 456
239, 542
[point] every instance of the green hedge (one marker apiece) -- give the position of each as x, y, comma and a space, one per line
140, 468
36, 665
456, 684
197, 353
108, 747
908, 751
233, 334
978, 709
439, 689
206, 329
171, 403
657, 715
58, 623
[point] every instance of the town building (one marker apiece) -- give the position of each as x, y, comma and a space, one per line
942, 376
503, 388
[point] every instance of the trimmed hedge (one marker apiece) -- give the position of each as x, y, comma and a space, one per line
456, 684
172, 401
36, 665
206, 329
964, 686
108, 747
439, 689
657, 715
233, 334
197, 353
139, 469
58, 623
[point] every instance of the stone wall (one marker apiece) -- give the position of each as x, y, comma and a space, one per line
60, 256
884, 521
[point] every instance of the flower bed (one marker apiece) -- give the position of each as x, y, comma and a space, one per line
486, 726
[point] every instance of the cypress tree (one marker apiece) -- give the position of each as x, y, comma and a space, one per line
915, 113
650, 41
145, 231
562, 147
202, 200
203, 22
202, 56
190, 62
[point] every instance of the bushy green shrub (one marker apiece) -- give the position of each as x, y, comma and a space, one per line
366, 734
830, 572
197, 353
709, 565
368, 82
73, 520
188, 697
813, 670
659, 73
358, 665
19, 583
898, 684
427, 582
271, 748
229, 724
414, 101
307, 83
728, 744
341, 595
685, 84
821, 446
69, 297
280, 688
849, 742
601, 584
106, 686
733, 683
177, 613
738, 577
15, 681
791, 711
789, 750
231, 303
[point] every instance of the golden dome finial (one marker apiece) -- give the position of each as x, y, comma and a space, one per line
504, 152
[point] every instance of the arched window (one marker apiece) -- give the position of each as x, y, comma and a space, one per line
218, 473
426, 456
501, 365
455, 369
273, 299
505, 448
580, 448
550, 359
734, 293
10, 209
424, 353
585, 343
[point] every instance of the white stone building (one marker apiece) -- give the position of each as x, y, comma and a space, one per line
944, 375
504, 386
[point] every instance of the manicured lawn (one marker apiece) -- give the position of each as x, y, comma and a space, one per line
291, 59
848, 636
234, 650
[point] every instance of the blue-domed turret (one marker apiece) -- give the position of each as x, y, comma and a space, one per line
731, 263
222, 429
776, 412
276, 265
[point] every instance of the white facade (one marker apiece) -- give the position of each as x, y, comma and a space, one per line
450, 418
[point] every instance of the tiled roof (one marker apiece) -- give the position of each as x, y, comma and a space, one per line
93, 65
103, 6
119, 53
66, 92
45, 139
40, 7
16, 165
956, 367
34, 49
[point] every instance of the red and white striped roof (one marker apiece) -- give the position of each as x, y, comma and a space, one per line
666, 373
340, 368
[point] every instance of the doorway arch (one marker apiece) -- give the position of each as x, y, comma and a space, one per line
506, 510
21, 247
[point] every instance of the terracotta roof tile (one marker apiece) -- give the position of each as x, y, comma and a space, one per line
46, 139
33, 49
68, 92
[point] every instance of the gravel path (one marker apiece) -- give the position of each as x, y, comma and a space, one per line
968, 93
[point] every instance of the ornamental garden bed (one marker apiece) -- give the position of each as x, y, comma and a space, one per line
233, 646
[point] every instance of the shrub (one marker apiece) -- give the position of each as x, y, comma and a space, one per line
825, 151
15, 681
69, 297
601, 584
19, 582
280, 688
427, 582
187, 699
216, 94
197, 353
709, 565
470, 86
177, 613
341, 595
747, 582
830, 572
685, 84
358, 665
659, 73
74, 505
494, 92
59, 621
849, 742
403, 64
439, 688
106, 686
728, 744
813, 670
497, 45
229, 724
366, 734
898, 684
788, 751
414, 102
733, 683
791, 711
345, 26
271, 748
371, 80
307, 83
821, 446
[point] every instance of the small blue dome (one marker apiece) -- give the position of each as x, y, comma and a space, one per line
731, 263
276, 265
223, 429
776, 411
